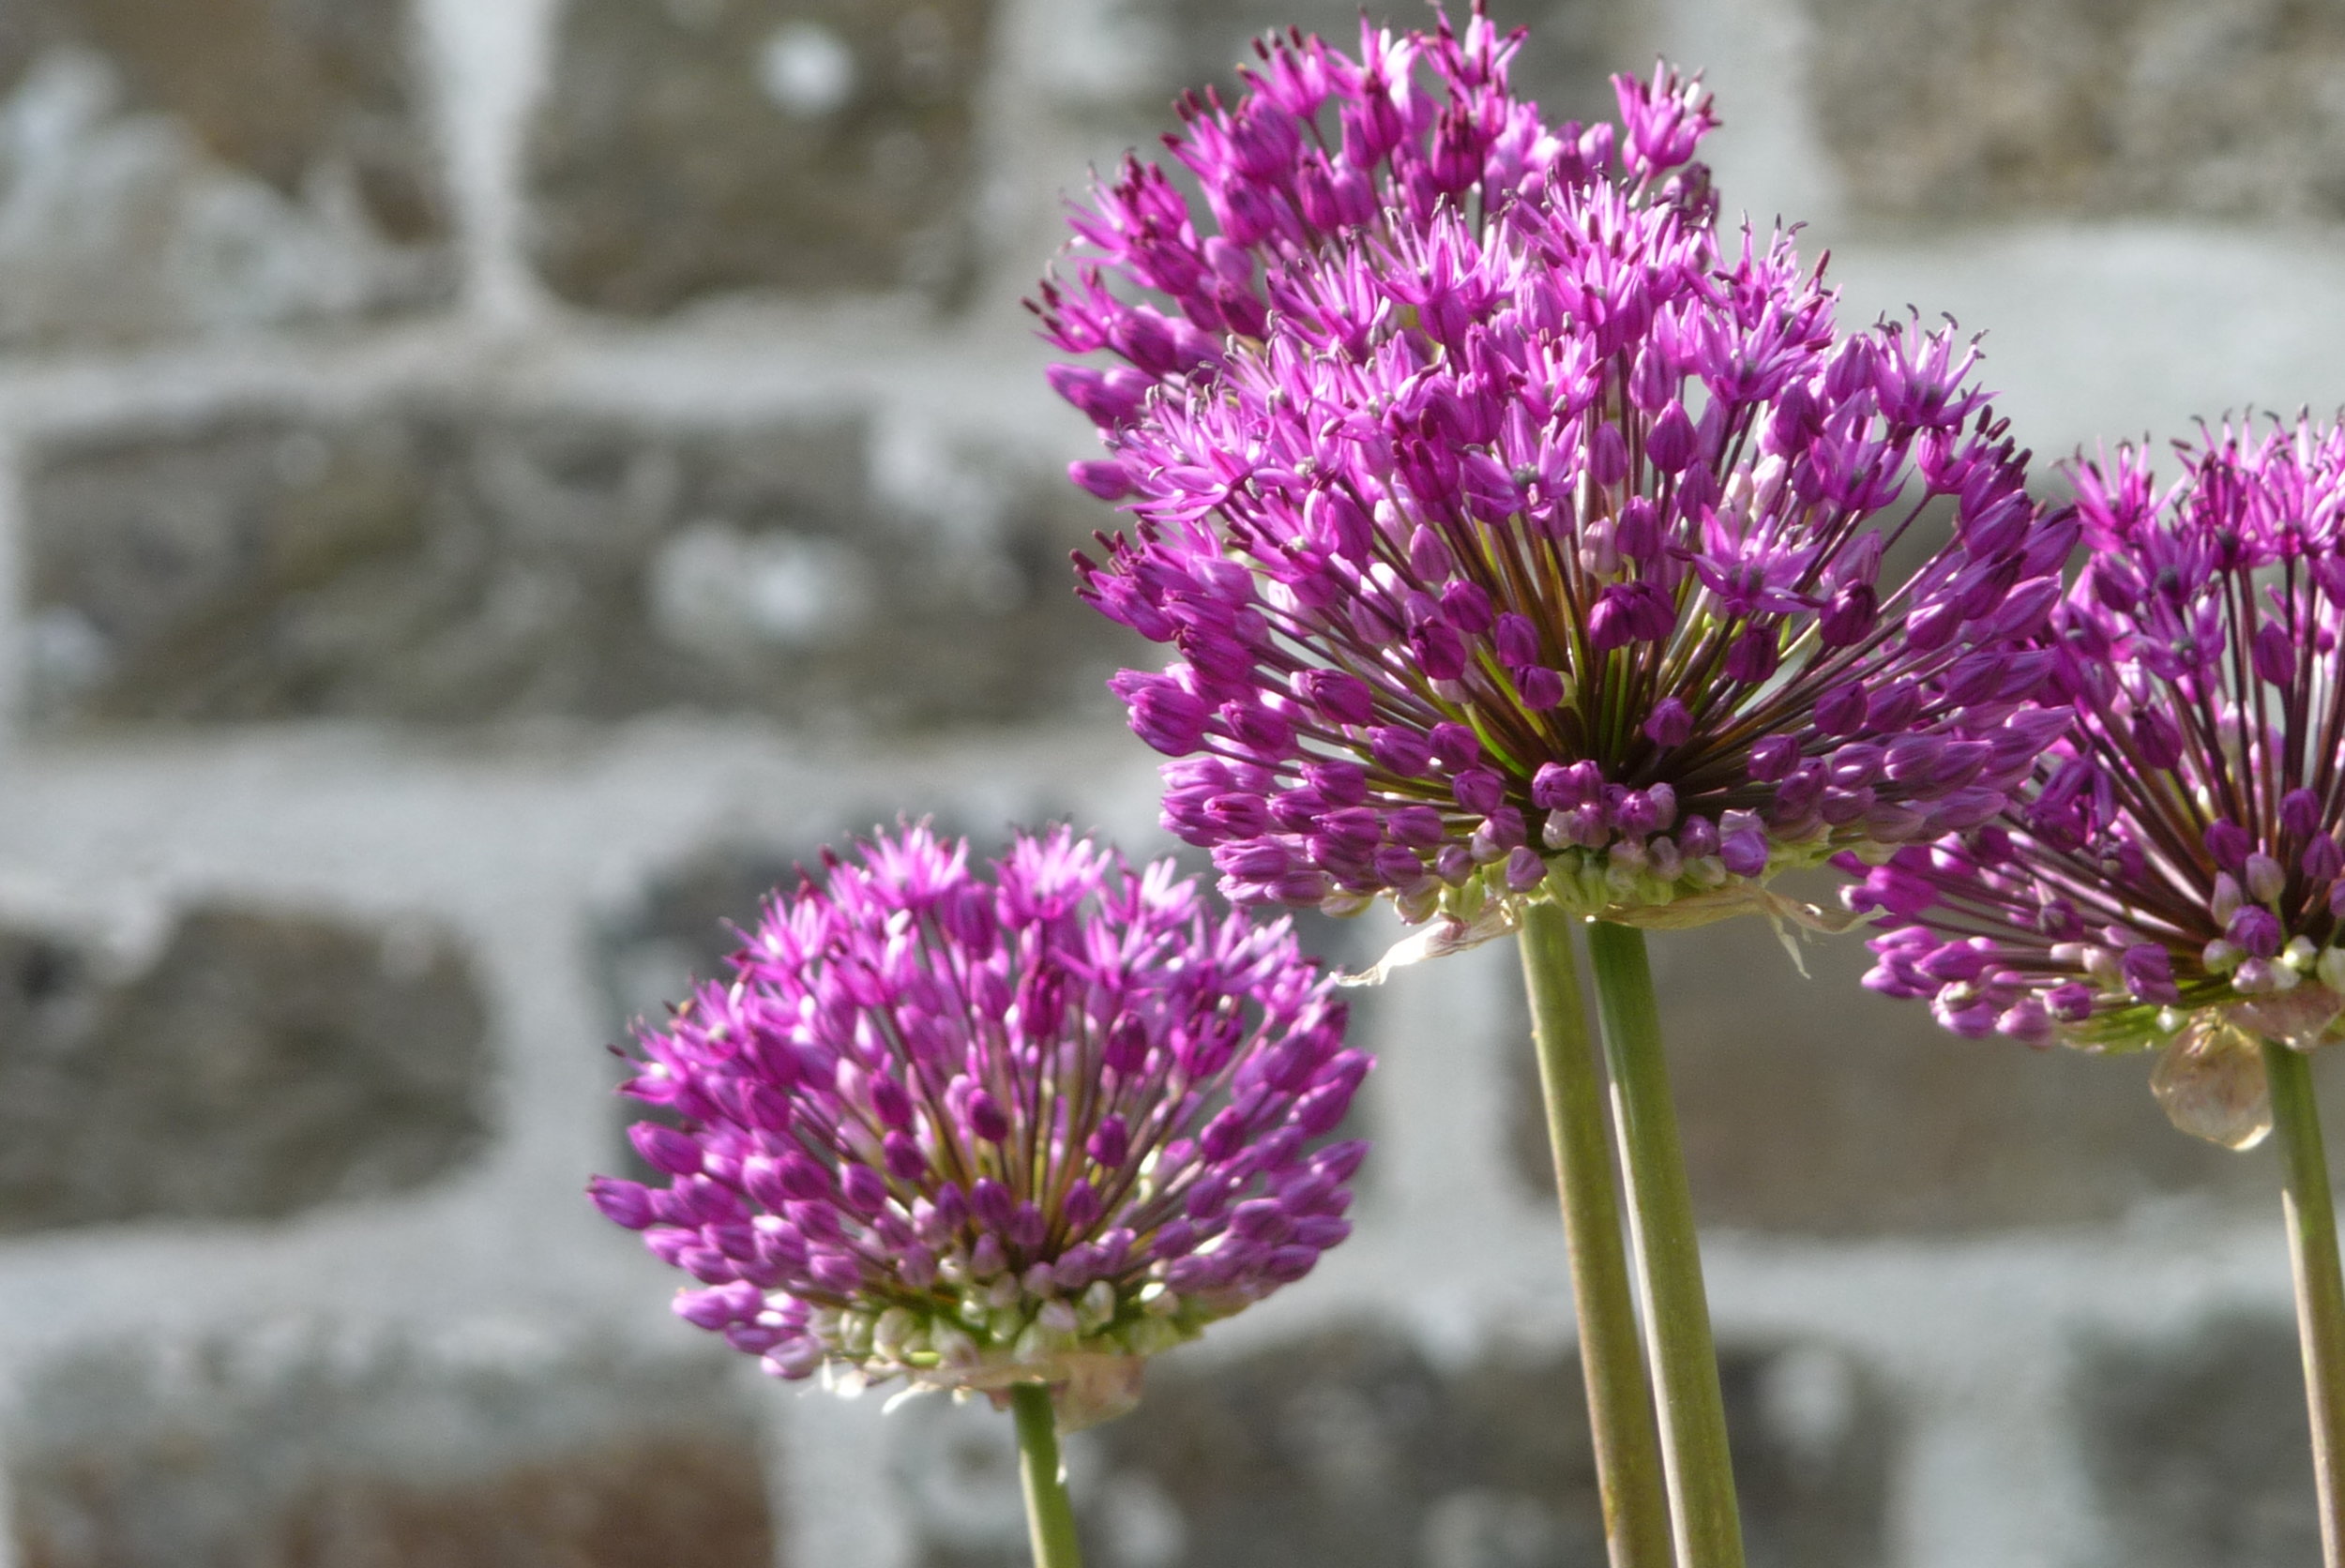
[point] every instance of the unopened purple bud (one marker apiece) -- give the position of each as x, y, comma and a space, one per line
1842, 710
1454, 745
1102, 477
1670, 444
1524, 869
1109, 1143
1607, 455
2273, 653
2072, 1002
1418, 826
987, 1119
2149, 973
1538, 687
901, 1154
2255, 930
1849, 618
1698, 837
864, 1189
2229, 843
1773, 757
989, 1203
1454, 863
665, 1149
2322, 860
1405, 752
1518, 641
627, 1203
1428, 558
1744, 853
2300, 813
1669, 723
1479, 789
2156, 738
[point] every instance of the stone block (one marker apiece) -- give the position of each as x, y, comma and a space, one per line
2198, 1447
687, 149
1151, 50
449, 564
1814, 1107
263, 1062
1988, 109
1351, 1447
209, 166
317, 1454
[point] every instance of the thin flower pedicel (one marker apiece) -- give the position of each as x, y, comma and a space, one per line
2169, 876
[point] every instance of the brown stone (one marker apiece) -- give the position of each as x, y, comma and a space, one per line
450, 566
175, 167
1814, 1107
692, 148
1350, 1447
264, 1063
2198, 1446
2079, 108
224, 1458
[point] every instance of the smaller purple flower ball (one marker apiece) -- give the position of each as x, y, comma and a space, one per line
973, 1130
2168, 873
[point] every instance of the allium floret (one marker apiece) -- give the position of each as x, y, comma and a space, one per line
969, 1131
1520, 539
2169, 874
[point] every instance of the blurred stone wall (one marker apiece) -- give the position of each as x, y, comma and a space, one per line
487, 487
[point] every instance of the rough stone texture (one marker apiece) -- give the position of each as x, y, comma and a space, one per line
244, 1455
262, 1064
692, 149
1349, 1447
172, 167
1798, 1114
1575, 45
448, 564
2198, 1447
2083, 108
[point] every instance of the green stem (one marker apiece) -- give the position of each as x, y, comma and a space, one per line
1612, 1356
1050, 1519
1694, 1451
2320, 1290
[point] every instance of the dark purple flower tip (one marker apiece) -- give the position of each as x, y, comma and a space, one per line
1669, 723
2322, 860
1102, 477
2229, 843
1773, 758
627, 1203
2149, 973
665, 1149
2300, 814
2256, 931
1745, 852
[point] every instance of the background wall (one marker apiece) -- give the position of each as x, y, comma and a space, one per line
487, 484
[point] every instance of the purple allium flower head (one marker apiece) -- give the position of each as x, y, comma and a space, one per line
2168, 873
1516, 514
972, 1131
